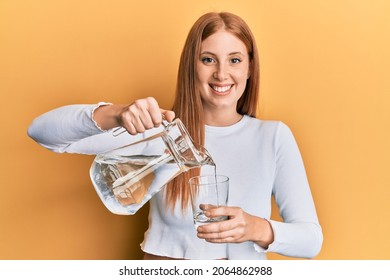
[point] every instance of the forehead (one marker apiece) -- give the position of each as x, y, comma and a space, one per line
223, 42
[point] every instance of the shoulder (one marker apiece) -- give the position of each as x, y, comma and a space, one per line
274, 130
270, 126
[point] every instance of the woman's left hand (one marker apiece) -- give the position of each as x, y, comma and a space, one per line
240, 227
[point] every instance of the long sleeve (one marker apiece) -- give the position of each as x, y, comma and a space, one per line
300, 234
71, 129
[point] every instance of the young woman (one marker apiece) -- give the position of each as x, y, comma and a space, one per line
216, 98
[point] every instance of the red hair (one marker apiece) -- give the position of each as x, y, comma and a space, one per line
188, 105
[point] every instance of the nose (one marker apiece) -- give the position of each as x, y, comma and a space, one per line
221, 72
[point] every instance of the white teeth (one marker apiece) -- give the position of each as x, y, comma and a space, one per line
221, 89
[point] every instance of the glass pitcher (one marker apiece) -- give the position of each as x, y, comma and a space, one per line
126, 178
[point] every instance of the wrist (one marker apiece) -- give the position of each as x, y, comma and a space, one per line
265, 234
106, 116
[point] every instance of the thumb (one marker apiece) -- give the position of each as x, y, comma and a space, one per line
169, 115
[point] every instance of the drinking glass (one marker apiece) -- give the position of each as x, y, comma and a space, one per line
208, 191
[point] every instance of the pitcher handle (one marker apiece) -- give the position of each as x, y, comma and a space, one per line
118, 131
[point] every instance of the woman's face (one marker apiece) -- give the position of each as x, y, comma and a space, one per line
223, 69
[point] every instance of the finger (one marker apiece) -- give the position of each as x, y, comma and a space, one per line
146, 119
216, 227
217, 211
154, 111
206, 206
219, 237
126, 121
135, 119
139, 114
130, 128
229, 239
169, 115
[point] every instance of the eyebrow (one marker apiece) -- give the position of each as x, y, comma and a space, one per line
232, 53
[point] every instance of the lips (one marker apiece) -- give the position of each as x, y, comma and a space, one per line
221, 89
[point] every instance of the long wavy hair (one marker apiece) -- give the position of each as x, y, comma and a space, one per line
188, 105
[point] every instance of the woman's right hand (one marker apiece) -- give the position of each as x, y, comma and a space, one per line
137, 117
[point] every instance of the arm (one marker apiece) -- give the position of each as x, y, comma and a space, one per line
81, 128
61, 128
299, 235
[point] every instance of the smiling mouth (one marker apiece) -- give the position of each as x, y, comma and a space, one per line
221, 89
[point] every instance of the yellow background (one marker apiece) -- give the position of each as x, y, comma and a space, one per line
324, 72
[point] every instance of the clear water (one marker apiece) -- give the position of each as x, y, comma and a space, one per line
129, 178
201, 219
126, 183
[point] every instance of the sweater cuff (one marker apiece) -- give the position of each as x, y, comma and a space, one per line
272, 246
